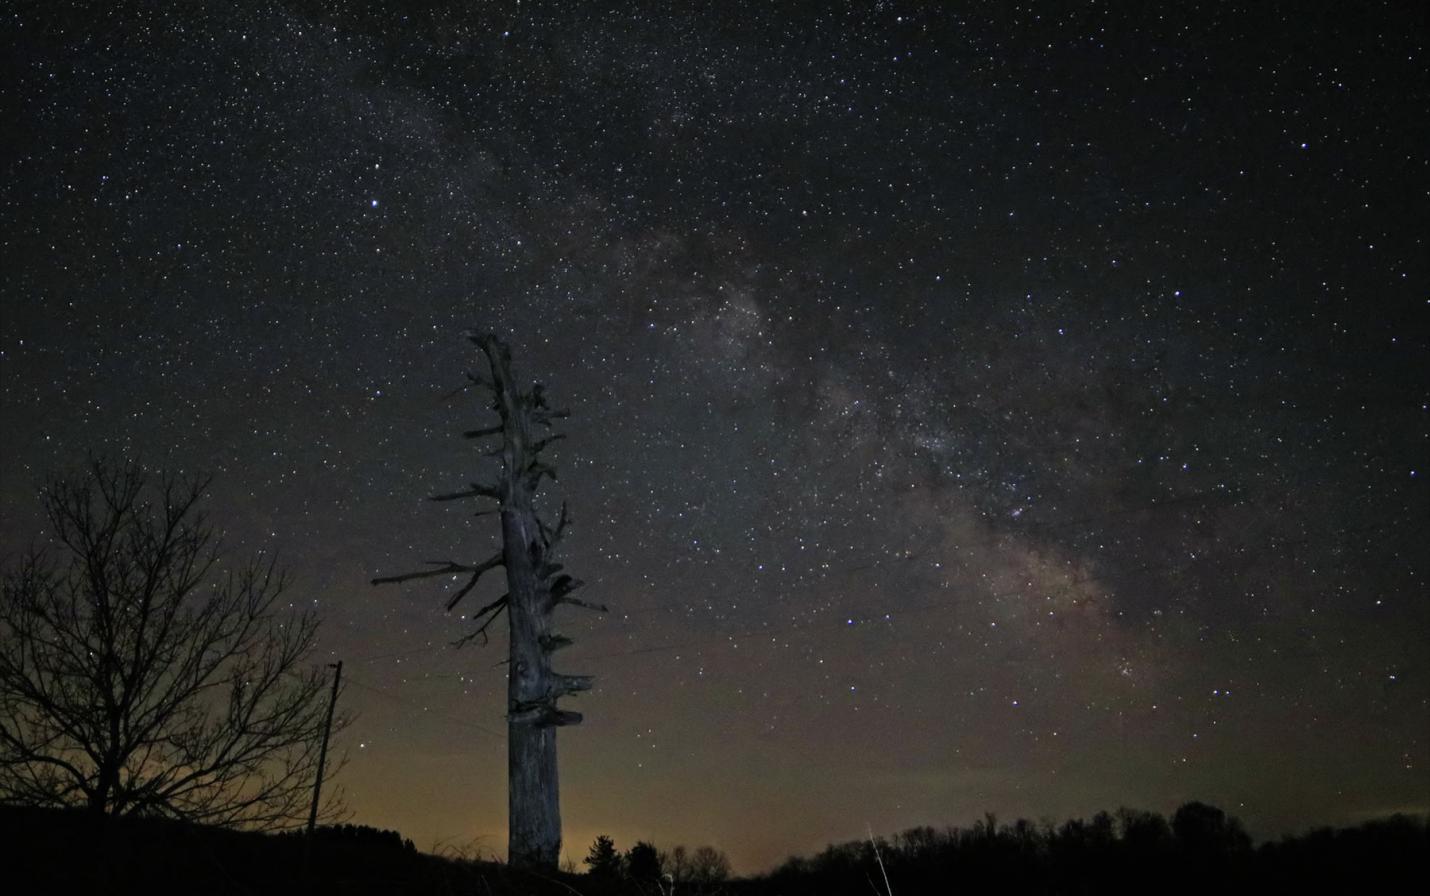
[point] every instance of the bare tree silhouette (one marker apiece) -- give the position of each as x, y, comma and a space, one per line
141, 674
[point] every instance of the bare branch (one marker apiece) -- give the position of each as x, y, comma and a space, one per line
495, 609
551, 535
599, 608
474, 380
477, 490
490, 563
443, 568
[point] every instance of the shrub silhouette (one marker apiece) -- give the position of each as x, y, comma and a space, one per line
643, 863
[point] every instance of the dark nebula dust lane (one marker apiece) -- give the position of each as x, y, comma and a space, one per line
974, 407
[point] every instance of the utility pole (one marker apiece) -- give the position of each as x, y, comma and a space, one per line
323, 751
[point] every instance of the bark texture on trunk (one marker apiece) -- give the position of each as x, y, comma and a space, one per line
533, 801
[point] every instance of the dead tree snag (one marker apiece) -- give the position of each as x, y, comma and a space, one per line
535, 586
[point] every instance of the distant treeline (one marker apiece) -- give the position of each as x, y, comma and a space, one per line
1200, 850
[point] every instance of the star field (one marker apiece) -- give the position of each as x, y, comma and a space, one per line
1009, 408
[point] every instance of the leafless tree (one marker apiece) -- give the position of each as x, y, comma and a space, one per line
704, 870
536, 586
142, 674
709, 865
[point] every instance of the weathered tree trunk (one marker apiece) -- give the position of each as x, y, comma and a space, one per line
534, 588
533, 800
534, 810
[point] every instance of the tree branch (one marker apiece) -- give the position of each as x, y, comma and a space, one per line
490, 563
551, 535
477, 490
494, 608
444, 568
599, 608
561, 685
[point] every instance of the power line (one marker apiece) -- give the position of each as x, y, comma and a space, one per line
773, 631
426, 712
398, 654
877, 561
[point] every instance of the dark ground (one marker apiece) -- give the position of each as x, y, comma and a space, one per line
56, 852
49, 851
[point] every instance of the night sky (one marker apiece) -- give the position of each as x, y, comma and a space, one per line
975, 407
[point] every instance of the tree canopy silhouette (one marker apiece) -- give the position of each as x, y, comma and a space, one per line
643, 863
603, 859
142, 674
